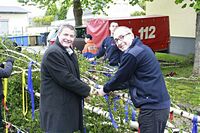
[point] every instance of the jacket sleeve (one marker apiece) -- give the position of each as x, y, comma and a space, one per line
101, 50
59, 71
123, 75
114, 56
6, 72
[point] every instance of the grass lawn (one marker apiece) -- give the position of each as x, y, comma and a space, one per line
184, 89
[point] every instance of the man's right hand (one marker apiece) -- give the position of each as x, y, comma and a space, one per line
100, 91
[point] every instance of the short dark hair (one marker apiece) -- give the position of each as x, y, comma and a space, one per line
66, 26
88, 36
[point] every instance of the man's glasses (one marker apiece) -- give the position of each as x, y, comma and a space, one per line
121, 37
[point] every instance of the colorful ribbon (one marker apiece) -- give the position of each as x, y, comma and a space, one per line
96, 86
5, 92
194, 128
30, 87
126, 111
115, 102
110, 113
171, 116
107, 74
24, 94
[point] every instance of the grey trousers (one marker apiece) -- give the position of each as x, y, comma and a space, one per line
153, 121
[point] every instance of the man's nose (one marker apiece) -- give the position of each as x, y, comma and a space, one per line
69, 37
119, 42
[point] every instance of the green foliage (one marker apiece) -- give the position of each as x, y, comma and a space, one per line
138, 13
37, 20
63, 10
193, 3
46, 20
142, 4
14, 97
60, 11
51, 10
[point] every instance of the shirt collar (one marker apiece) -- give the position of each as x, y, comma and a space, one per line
70, 51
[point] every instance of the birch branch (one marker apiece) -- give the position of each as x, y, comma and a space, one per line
23, 55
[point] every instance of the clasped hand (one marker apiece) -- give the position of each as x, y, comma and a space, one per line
100, 90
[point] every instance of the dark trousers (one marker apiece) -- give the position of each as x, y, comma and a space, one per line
153, 121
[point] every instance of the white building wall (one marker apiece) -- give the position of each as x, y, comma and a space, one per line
17, 23
182, 20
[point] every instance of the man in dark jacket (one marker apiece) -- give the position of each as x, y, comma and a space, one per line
62, 91
5, 72
147, 88
108, 49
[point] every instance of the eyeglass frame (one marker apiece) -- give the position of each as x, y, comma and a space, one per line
121, 37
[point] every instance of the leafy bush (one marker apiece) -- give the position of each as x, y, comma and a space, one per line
46, 20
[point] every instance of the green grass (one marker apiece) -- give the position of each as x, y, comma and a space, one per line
183, 88
169, 57
184, 92
183, 65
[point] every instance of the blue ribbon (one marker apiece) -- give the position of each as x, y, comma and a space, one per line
126, 111
133, 114
110, 113
30, 87
107, 74
93, 63
115, 99
96, 86
84, 130
194, 128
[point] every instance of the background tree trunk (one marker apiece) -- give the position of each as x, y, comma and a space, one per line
196, 68
78, 12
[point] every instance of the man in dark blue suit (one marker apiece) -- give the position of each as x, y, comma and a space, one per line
140, 71
108, 49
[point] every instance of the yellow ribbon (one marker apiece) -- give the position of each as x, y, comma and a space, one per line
5, 92
24, 94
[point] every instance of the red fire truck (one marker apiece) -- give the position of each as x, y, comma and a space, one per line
152, 30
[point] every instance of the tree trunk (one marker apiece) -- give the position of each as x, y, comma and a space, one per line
78, 12
196, 68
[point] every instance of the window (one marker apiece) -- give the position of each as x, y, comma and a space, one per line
3, 26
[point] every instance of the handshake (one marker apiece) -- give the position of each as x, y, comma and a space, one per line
8, 60
100, 90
